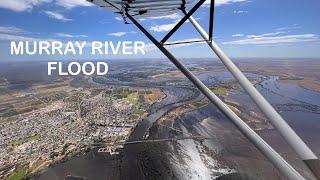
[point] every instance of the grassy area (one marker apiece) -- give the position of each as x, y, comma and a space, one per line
133, 98
19, 174
121, 93
139, 112
219, 91
9, 113
33, 138
28, 139
199, 104
133, 116
75, 98
54, 96
119, 96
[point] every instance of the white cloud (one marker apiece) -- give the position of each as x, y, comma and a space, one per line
174, 16
222, 2
21, 5
27, 5
117, 34
238, 35
265, 35
166, 27
240, 12
57, 16
119, 18
72, 3
122, 33
70, 35
12, 33
274, 38
11, 37
11, 30
170, 16
293, 27
162, 27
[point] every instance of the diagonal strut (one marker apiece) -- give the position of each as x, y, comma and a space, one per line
285, 168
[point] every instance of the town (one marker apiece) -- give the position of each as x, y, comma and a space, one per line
63, 123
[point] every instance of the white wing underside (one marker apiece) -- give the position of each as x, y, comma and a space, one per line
142, 8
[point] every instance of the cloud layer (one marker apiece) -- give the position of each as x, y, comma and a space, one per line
65, 35
22, 5
56, 15
222, 2
28, 5
11, 30
273, 38
162, 27
72, 3
121, 33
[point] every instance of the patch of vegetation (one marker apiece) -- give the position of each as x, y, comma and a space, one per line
80, 81
199, 104
132, 98
53, 96
33, 138
193, 69
9, 113
292, 78
219, 91
121, 93
139, 112
141, 98
134, 116
75, 98
28, 139
120, 96
148, 92
19, 174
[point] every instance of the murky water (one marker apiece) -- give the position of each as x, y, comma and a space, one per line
299, 107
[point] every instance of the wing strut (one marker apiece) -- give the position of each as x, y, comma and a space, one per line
285, 168
211, 19
296, 143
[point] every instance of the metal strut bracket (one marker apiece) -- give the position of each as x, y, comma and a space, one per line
184, 19
285, 168
211, 21
184, 42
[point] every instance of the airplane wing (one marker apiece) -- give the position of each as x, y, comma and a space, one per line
142, 8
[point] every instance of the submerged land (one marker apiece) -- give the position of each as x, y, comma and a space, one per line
56, 127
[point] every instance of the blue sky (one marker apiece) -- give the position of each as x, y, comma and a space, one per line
243, 28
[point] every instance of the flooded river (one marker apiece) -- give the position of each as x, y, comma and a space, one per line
228, 152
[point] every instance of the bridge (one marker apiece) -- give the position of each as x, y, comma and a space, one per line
97, 145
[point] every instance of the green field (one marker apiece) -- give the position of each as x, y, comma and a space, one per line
19, 174
199, 104
139, 112
28, 139
219, 91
